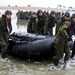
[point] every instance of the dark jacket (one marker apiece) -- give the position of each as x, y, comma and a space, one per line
31, 25
5, 25
40, 22
52, 21
49, 24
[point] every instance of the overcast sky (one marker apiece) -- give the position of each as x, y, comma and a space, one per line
40, 3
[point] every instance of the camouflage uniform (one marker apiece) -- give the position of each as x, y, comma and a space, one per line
61, 43
62, 20
31, 25
40, 22
59, 24
50, 23
4, 34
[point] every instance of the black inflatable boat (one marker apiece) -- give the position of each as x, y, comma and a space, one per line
29, 37
31, 46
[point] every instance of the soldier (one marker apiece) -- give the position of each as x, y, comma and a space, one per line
45, 15
61, 43
62, 20
5, 30
18, 14
50, 23
73, 32
40, 22
31, 23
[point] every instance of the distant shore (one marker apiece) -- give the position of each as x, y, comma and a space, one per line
30, 8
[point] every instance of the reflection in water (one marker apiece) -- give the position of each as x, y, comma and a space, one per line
19, 25
22, 23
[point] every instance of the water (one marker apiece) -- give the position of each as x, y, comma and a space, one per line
16, 66
21, 67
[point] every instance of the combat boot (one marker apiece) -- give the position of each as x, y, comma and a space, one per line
3, 55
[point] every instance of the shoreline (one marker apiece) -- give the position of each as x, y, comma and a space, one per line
30, 8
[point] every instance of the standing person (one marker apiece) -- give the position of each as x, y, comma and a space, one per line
61, 43
5, 30
31, 23
50, 23
18, 14
73, 32
40, 22
61, 21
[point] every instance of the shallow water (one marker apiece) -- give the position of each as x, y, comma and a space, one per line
22, 67
15, 66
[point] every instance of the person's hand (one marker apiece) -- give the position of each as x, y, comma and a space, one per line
68, 38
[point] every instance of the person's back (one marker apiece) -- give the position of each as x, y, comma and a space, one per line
61, 21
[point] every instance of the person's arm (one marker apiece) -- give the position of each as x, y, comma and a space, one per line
10, 28
29, 27
64, 29
36, 25
1, 23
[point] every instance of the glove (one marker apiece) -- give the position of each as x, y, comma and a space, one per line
68, 38
5, 28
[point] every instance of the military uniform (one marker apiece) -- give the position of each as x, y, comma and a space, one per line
61, 43
72, 33
5, 29
50, 23
59, 24
18, 14
40, 22
73, 51
31, 25
61, 21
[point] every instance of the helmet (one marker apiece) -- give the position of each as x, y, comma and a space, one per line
33, 13
67, 14
53, 12
73, 16
39, 11
8, 12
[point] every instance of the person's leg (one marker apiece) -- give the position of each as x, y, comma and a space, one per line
67, 52
3, 45
73, 51
3, 50
59, 54
49, 31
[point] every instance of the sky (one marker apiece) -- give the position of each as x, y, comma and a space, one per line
38, 3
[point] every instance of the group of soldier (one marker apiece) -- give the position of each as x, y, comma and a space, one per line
25, 15
65, 28
38, 25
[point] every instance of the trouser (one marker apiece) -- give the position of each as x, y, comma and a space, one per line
50, 31
60, 49
73, 52
4, 43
